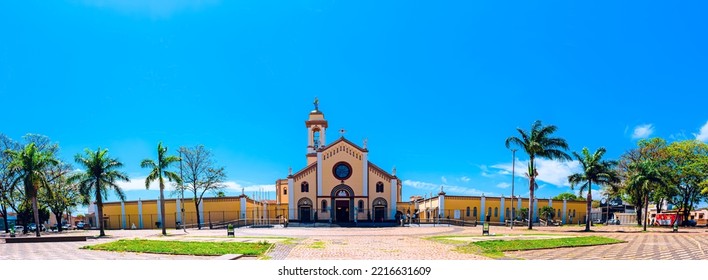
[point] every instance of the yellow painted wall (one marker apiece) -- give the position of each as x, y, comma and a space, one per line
308, 175
376, 176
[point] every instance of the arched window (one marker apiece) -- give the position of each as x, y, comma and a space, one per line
361, 206
506, 214
496, 212
305, 187
573, 212
324, 206
285, 190
474, 212
379, 187
489, 213
559, 213
316, 138
468, 211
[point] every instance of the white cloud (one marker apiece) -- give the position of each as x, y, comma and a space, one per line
444, 180
702, 135
427, 188
465, 179
643, 131
503, 185
549, 171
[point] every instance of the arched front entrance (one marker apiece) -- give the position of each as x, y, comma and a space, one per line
304, 210
380, 206
342, 197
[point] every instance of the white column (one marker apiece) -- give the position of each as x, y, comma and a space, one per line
550, 202
483, 217
502, 210
365, 171
322, 136
140, 214
292, 205
392, 205
319, 173
518, 206
122, 214
535, 209
201, 211
98, 219
243, 207
565, 212
159, 211
441, 201
178, 209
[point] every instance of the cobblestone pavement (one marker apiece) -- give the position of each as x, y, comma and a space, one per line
383, 243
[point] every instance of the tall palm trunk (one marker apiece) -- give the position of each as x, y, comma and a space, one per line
99, 214
589, 219
58, 217
646, 210
162, 207
532, 182
35, 206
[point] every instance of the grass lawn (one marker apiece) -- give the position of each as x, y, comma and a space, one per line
496, 248
183, 248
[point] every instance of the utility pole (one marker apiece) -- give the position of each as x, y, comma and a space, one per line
181, 176
513, 178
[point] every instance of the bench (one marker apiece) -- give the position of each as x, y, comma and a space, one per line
75, 238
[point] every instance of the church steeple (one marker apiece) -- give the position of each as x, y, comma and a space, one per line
316, 128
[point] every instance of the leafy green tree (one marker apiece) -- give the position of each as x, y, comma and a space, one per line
62, 195
158, 170
647, 177
595, 170
654, 150
101, 173
31, 165
568, 196
688, 167
548, 212
25, 214
7, 176
538, 142
523, 212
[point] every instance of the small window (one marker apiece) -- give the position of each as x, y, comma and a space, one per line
507, 216
305, 187
379, 187
285, 190
573, 212
324, 206
468, 211
361, 206
496, 212
489, 213
559, 213
474, 212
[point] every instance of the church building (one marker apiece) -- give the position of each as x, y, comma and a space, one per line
338, 183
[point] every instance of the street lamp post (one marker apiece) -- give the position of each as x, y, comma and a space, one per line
181, 176
513, 175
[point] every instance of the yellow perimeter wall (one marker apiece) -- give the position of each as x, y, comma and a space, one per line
227, 209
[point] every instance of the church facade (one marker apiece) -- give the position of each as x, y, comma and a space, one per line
338, 183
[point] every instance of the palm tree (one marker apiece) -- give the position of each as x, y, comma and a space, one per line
159, 170
101, 174
645, 180
549, 213
595, 170
538, 143
31, 165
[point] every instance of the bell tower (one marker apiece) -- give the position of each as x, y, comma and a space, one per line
316, 128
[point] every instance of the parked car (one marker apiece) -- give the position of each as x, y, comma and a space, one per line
81, 225
66, 227
19, 229
690, 223
33, 227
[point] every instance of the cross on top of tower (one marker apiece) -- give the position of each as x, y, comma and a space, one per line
342, 132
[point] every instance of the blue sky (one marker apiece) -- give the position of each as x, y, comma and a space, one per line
435, 88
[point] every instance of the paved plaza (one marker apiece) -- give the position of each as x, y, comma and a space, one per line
395, 243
